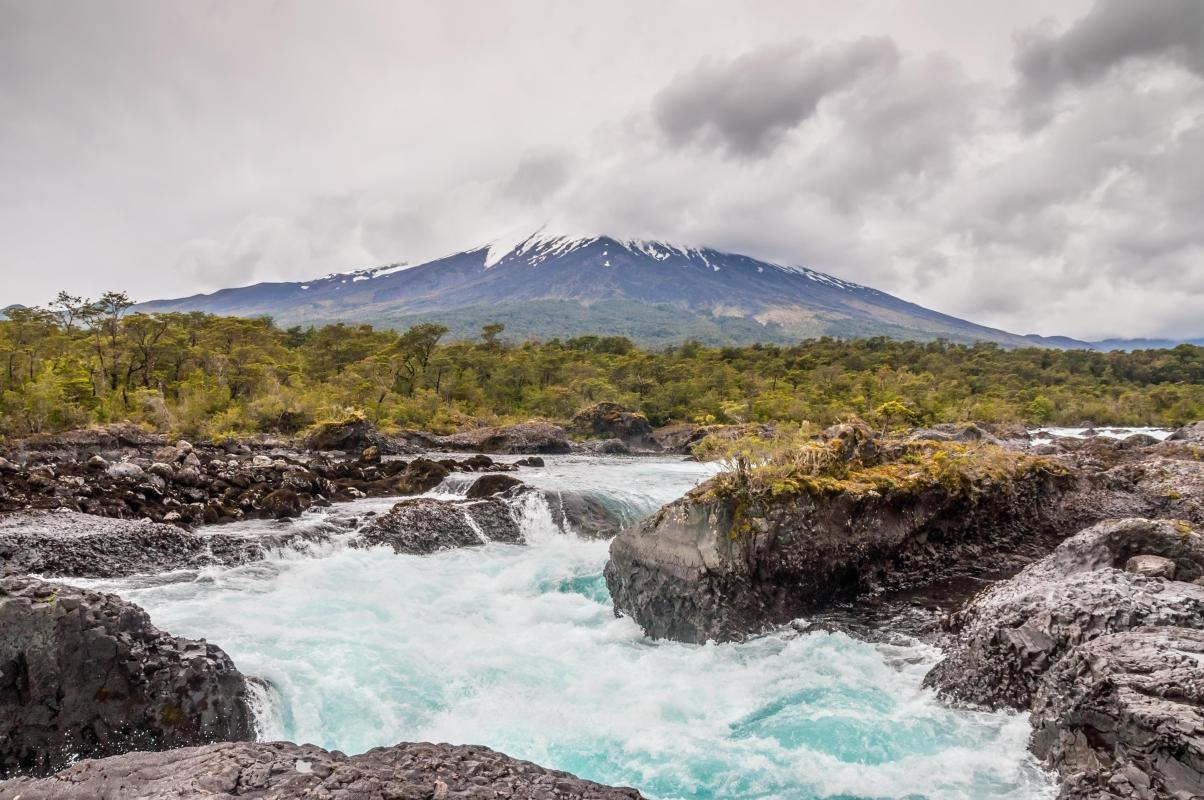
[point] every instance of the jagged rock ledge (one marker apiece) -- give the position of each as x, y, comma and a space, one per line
85, 674
1009, 636
737, 555
1102, 640
286, 771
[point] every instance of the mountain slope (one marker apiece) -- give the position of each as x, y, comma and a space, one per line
650, 291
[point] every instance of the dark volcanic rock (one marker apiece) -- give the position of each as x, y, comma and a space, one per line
719, 565
70, 544
85, 674
613, 421
353, 436
492, 484
281, 504
1011, 634
421, 475
111, 442
424, 525
525, 438
583, 514
1122, 716
285, 771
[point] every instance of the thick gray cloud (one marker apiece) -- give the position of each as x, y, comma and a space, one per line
1112, 33
1034, 166
748, 104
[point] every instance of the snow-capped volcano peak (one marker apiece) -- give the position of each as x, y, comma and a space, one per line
547, 283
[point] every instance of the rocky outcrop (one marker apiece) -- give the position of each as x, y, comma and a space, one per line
583, 514
285, 771
534, 437
186, 485
423, 525
1013, 633
613, 421
739, 554
70, 544
489, 485
1189, 434
1122, 716
683, 437
85, 674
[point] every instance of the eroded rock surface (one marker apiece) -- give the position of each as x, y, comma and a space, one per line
85, 674
728, 561
611, 421
66, 543
285, 771
1122, 716
1015, 631
423, 525
534, 437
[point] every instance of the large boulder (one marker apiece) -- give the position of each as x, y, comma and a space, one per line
491, 484
1122, 716
739, 554
352, 435
420, 475
1012, 634
86, 675
286, 771
534, 437
70, 544
583, 514
1189, 434
613, 421
423, 525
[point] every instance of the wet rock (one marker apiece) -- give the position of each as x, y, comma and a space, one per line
370, 455
70, 544
420, 475
615, 422
423, 525
286, 771
1011, 634
97, 463
721, 562
535, 436
85, 674
583, 514
492, 484
530, 461
281, 504
1122, 716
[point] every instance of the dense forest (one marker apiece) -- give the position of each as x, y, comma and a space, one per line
79, 362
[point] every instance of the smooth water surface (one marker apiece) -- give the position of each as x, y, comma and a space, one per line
517, 648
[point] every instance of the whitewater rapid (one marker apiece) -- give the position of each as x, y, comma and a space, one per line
517, 648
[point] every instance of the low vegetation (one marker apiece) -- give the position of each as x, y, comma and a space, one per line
80, 362
850, 459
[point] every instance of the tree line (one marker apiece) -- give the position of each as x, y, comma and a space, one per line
80, 361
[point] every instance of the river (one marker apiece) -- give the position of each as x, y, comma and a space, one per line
517, 648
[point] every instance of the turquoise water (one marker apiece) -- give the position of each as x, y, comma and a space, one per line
517, 648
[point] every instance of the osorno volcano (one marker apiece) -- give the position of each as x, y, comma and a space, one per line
547, 286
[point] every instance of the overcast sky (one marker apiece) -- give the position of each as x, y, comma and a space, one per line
1036, 166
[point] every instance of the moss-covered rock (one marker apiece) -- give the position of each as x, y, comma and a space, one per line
761, 545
